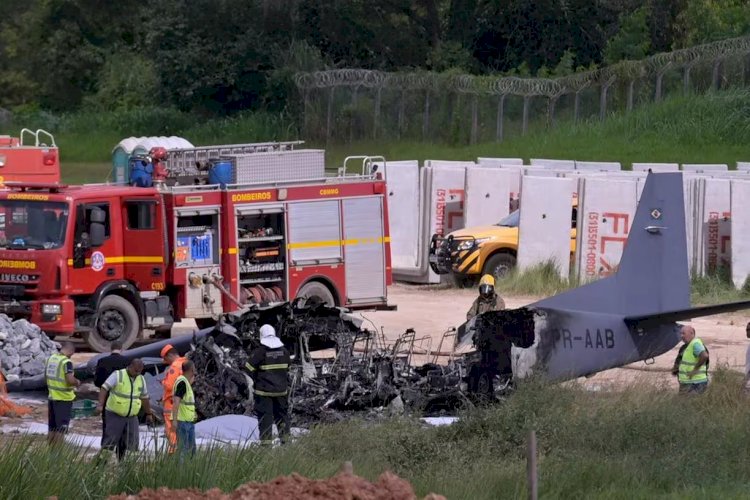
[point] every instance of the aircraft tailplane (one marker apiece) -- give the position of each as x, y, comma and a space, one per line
653, 275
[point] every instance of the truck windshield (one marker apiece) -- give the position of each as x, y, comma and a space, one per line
511, 220
32, 224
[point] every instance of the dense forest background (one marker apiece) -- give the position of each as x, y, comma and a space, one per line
218, 57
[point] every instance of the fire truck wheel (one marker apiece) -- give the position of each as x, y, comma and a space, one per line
118, 320
319, 290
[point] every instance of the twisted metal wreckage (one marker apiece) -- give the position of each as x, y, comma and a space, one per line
358, 372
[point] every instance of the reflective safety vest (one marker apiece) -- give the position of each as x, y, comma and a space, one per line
125, 397
186, 411
173, 373
687, 364
54, 372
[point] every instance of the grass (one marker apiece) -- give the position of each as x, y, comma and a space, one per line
637, 443
710, 128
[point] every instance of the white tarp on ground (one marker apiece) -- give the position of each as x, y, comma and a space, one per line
402, 184
740, 227
497, 162
599, 166
487, 195
544, 228
716, 231
704, 167
656, 167
743, 165
605, 214
558, 164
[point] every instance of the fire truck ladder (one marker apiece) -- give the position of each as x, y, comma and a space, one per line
36, 135
184, 162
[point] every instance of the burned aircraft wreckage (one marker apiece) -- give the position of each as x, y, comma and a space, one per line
340, 368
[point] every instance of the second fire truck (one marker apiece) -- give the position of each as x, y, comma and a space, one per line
108, 261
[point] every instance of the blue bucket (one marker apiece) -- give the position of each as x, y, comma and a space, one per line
221, 173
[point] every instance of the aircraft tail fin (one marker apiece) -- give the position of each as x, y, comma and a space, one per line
653, 275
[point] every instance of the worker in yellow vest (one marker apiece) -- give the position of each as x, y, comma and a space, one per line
61, 384
693, 368
183, 409
124, 393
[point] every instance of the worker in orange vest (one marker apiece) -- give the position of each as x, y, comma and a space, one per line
172, 358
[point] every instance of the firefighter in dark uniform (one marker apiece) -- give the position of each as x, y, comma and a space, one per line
269, 366
493, 344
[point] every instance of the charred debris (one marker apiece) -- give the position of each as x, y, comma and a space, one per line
339, 368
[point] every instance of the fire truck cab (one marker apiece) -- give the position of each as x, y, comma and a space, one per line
108, 261
31, 157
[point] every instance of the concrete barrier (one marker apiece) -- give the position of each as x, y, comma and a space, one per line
545, 222
498, 162
715, 219
704, 167
656, 167
558, 164
740, 228
605, 214
599, 166
449, 164
487, 195
402, 184
743, 165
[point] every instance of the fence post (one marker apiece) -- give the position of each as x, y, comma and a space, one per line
474, 119
330, 113
531, 472
376, 114
426, 122
500, 118
525, 120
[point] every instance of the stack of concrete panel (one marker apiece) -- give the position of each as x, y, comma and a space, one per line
740, 229
487, 195
402, 180
545, 222
556, 164
656, 167
743, 165
498, 162
606, 208
599, 166
701, 168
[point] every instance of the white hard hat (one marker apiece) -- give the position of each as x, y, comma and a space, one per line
268, 337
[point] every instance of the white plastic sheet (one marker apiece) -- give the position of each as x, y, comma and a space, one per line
740, 228
545, 225
606, 211
487, 195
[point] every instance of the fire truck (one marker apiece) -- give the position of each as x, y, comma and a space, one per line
107, 261
31, 157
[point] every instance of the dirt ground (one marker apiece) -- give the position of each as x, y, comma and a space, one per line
343, 486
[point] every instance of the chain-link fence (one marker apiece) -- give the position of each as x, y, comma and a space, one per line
349, 104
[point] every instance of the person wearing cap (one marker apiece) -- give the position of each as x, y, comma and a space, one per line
171, 358
269, 367
488, 300
104, 368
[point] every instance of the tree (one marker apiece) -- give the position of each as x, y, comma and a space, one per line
633, 39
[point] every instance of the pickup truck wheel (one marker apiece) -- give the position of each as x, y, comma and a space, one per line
499, 265
117, 320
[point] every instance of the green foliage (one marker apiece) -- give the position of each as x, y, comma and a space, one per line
540, 280
629, 443
705, 21
632, 41
126, 81
450, 55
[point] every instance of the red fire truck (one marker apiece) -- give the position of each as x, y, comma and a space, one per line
108, 261
31, 157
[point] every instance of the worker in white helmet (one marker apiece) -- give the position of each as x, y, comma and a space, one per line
269, 366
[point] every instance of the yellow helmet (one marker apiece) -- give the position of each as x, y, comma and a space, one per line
487, 279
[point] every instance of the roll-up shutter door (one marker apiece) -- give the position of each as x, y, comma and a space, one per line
365, 255
314, 232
